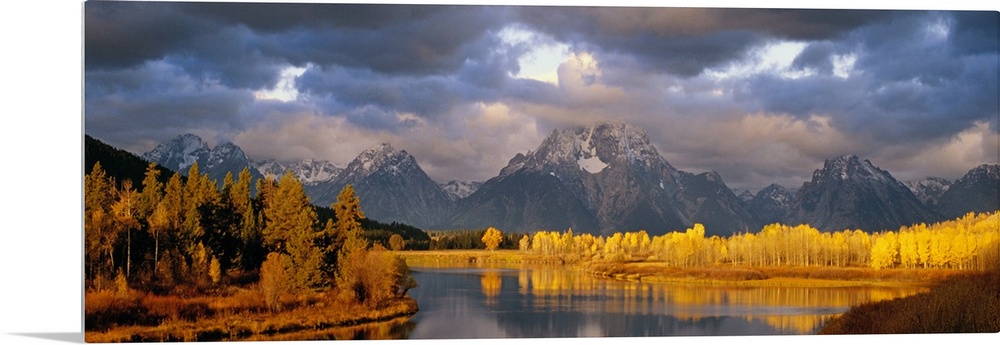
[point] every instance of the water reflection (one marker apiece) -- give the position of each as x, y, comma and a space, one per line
504, 302
399, 328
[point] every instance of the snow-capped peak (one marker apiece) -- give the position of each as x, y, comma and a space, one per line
591, 149
460, 189
374, 156
179, 153
314, 171
270, 168
849, 167
380, 158
226, 151
308, 171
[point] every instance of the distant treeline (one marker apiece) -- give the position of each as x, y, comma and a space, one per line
469, 239
969, 242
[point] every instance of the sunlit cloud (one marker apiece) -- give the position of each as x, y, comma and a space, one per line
760, 96
542, 55
284, 90
775, 58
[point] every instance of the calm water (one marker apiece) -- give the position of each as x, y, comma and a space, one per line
539, 302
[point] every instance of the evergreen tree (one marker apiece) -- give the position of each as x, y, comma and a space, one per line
152, 191
290, 230
348, 211
252, 252
287, 211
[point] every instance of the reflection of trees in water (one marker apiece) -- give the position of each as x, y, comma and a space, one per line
393, 329
798, 324
556, 302
779, 307
399, 328
579, 324
491, 283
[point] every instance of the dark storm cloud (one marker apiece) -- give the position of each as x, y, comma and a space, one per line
817, 57
436, 44
124, 34
156, 98
443, 76
975, 32
914, 80
245, 45
277, 17
686, 41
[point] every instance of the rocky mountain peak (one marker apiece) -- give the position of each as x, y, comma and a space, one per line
224, 152
460, 189
984, 172
314, 171
270, 168
850, 193
381, 157
977, 191
849, 167
771, 204
929, 190
590, 150
179, 153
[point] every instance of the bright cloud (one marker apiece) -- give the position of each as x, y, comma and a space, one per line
542, 55
758, 95
285, 89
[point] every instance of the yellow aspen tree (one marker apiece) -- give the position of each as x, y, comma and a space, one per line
613, 249
538, 242
396, 242
923, 241
884, 250
566, 242
214, 270
158, 222
524, 244
125, 212
99, 232
908, 249
492, 238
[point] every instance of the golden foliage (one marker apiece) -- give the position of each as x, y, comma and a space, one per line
491, 238
969, 242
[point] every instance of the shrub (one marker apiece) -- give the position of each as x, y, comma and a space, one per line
273, 280
374, 276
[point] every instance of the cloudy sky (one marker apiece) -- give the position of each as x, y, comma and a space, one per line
759, 95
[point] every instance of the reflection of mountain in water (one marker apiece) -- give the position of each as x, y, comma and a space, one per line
491, 303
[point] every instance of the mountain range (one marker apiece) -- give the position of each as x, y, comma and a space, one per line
602, 179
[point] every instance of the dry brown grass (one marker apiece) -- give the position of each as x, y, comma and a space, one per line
432, 258
240, 314
968, 303
765, 276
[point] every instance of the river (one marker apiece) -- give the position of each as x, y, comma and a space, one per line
542, 302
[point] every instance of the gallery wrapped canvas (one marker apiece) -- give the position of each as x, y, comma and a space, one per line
320, 171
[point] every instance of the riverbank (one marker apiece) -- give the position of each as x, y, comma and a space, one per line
968, 303
445, 258
767, 276
813, 276
239, 316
